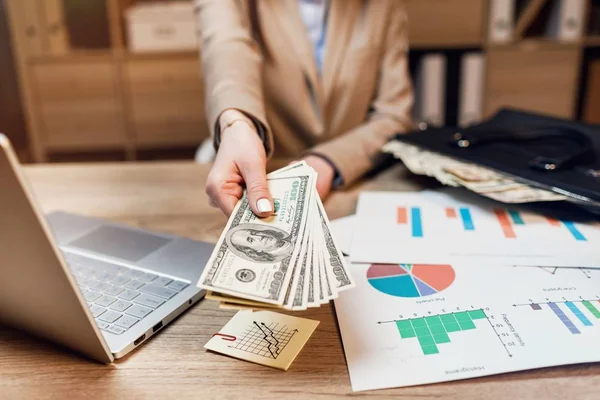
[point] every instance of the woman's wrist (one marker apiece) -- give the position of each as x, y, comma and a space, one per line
230, 117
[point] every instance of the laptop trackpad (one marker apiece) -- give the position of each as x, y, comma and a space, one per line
126, 244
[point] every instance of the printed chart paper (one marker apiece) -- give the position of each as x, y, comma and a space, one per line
263, 337
436, 228
344, 230
409, 324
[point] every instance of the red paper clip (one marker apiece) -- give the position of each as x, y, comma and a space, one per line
223, 336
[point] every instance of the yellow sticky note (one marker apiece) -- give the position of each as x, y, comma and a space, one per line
263, 337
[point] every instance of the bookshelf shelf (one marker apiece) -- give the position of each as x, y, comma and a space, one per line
140, 101
592, 41
145, 110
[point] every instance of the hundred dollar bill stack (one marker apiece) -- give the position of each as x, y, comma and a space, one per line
476, 178
289, 260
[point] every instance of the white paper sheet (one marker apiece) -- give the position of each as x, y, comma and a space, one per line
511, 319
343, 231
516, 318
437, 228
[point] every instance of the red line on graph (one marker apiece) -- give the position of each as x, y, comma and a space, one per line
402, 215
505, 224
450, 212
553, 221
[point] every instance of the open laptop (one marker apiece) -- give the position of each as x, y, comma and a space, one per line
97, 287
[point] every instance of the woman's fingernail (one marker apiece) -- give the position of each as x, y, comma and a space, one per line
264, 205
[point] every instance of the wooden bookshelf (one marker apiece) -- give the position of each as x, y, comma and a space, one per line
97, 96
592, 41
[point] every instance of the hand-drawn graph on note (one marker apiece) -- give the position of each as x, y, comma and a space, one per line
265, 340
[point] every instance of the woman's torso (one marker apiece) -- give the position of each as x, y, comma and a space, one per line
304, 106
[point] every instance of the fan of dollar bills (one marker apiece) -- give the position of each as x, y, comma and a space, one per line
289, 260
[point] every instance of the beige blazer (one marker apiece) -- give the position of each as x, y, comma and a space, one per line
263, 64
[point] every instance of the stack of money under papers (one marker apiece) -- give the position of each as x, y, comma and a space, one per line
478, 179
289, 260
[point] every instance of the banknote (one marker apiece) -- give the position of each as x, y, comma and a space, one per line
289, 260
482, 180
334, 257
254, 257
312, 280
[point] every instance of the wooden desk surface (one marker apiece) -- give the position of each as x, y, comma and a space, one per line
170, 197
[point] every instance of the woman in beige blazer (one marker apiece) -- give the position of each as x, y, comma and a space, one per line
278, 86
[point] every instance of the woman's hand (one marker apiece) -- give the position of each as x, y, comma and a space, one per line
326, 174
240, 162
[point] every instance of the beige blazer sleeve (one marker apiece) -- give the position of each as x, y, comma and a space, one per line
231, 62
357, 151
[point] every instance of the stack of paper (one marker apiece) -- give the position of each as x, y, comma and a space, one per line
452, 286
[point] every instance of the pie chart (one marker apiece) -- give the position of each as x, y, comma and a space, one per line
410, 280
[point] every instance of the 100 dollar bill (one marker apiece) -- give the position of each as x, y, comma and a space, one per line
254, 257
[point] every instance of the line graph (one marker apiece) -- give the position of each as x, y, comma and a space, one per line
265, 340
553, 270
270, 338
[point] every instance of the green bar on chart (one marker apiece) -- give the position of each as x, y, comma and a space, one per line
477, 314
466, 325
592, 309
406, 330
433, 321
464, 320
450, 323
455, 327
422, 331
441, 338
426, 340
434, 330
437, 329
428, 350
418, 322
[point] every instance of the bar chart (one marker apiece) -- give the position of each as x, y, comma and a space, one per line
571, 312
510, 219
490, 320
465, 217
401, 228
414, 217
416, 222
434, 330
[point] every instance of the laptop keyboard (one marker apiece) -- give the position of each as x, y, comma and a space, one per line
119, 297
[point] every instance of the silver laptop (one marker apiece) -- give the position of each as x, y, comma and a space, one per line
97, 287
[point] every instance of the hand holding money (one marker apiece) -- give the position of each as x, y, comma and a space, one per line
288, 260
241, 159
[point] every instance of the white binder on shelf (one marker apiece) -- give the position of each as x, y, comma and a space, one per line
430, 91
566, 20
501, 21
472, 75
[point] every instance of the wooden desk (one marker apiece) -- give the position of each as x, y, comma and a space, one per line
170, 198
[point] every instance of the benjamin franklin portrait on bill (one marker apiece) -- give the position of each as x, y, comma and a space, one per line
259, 243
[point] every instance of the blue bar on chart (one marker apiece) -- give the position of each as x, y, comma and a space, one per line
578, 313
417, 224
574, 231
465, 214
516, 217
563, 318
